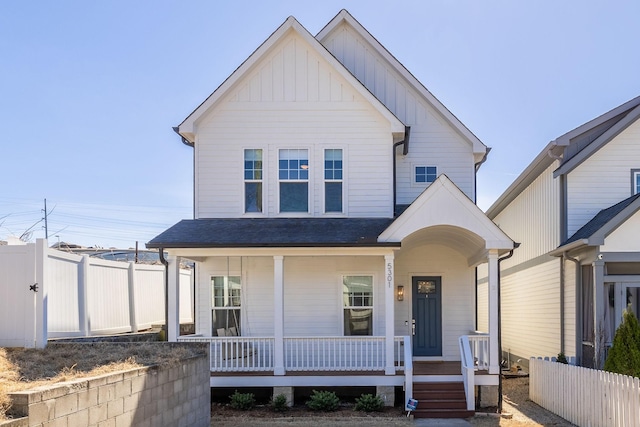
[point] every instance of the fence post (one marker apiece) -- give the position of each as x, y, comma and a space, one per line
132, 297
83, 279
40, 306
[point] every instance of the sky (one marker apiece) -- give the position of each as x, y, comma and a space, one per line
90, 91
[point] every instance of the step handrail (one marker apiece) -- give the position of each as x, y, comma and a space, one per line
468, 371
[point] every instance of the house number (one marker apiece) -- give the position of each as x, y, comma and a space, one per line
389, 274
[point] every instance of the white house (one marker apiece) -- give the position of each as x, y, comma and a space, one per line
575, 211
335, 232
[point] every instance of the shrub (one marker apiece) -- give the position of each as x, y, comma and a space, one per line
243, 401
323, 401
279, 403
624, 356
562, 358
369, 403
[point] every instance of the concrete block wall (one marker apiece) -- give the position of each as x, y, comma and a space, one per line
151, 396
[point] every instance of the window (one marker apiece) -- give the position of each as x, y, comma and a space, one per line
357, 296
225, 314
333, 180
253, 180
635, 181
293, 172
426, 174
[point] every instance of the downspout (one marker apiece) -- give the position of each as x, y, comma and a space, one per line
405, 151
579, 306
507, 256
186, 142
166, 293
475, 174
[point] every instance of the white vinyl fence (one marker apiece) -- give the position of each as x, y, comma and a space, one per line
79, 295
585, 397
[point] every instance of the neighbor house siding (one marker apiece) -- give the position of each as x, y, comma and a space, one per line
433, 141
530, 304
603, 179
294, 99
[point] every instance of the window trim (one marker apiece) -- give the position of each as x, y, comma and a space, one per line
262, 181
634, 179
225, 276
414, 181
374, 296
325, 181
307, 181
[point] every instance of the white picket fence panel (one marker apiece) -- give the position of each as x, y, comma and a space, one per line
79, 295
585, 397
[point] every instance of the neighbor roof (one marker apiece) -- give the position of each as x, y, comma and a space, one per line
273, 232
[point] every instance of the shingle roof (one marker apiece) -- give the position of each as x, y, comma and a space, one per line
600, 220
273, 232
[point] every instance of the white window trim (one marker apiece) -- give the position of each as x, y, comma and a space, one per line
212, 307
343, 181
375, 329
264, 183
309, 181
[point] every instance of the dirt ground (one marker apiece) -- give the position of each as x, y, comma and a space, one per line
524, 413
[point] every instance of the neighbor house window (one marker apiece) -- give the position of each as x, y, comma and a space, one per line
293, 172
253, 180
426, 174
635, 179
225, 315
357, 297
333, 180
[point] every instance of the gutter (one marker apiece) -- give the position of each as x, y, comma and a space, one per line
405, 151
185, 141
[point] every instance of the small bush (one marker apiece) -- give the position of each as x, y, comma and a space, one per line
279, 403
369, 403
326, 401
243, 401
562, 358
624, 356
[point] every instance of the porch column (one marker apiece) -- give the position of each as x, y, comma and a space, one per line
173, 298
389, 302
278, 315
494, 351
600, 335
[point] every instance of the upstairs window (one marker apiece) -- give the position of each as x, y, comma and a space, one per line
357, 296
293, 173
333, 180
426, 174
253, 180
635, 181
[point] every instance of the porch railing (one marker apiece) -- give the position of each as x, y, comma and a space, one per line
479, 344
467, 366
255, 354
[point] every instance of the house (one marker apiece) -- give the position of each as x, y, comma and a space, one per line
575, 209
335, 232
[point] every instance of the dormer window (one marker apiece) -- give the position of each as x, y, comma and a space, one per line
293, 173
425, 174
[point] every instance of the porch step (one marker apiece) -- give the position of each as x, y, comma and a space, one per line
441, 400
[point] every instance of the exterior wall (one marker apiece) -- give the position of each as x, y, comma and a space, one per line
293, 99
604, 179
530, 304
483, 307
174, 396
433, 142
621, 239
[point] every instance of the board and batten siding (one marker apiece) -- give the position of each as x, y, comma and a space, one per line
293, 99
458, 301
531, 311
433, 142
603, 179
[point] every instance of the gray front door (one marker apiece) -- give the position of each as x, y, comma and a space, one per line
427, 315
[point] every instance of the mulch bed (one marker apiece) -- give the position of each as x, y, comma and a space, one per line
299, 411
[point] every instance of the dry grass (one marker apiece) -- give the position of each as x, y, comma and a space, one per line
23, 369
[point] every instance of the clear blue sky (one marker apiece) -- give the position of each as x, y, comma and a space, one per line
89, 91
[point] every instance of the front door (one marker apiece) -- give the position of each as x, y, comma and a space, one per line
427, 315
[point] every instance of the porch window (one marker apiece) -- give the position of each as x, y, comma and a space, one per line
293, 173
425, 174
333, 180
225, 315
253, 180
357, 296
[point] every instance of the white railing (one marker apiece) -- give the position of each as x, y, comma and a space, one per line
237, 354
585, 396
480, 351
408, 370
468, 371
304, 354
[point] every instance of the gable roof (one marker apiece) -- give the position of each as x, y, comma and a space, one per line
571, 149
187, 128
273, 232
607, 220
345, 17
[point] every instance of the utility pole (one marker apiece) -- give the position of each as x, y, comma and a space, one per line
46, 228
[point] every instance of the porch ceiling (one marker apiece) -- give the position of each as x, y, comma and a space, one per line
456, 238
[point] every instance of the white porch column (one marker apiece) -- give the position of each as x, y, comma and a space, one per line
278, 314
389, 302
173, 298
494, 351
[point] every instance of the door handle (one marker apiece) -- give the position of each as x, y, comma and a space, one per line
413, 326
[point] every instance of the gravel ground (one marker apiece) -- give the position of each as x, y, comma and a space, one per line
516, 403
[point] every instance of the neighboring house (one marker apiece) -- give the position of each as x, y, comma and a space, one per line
575, 211
335, 233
